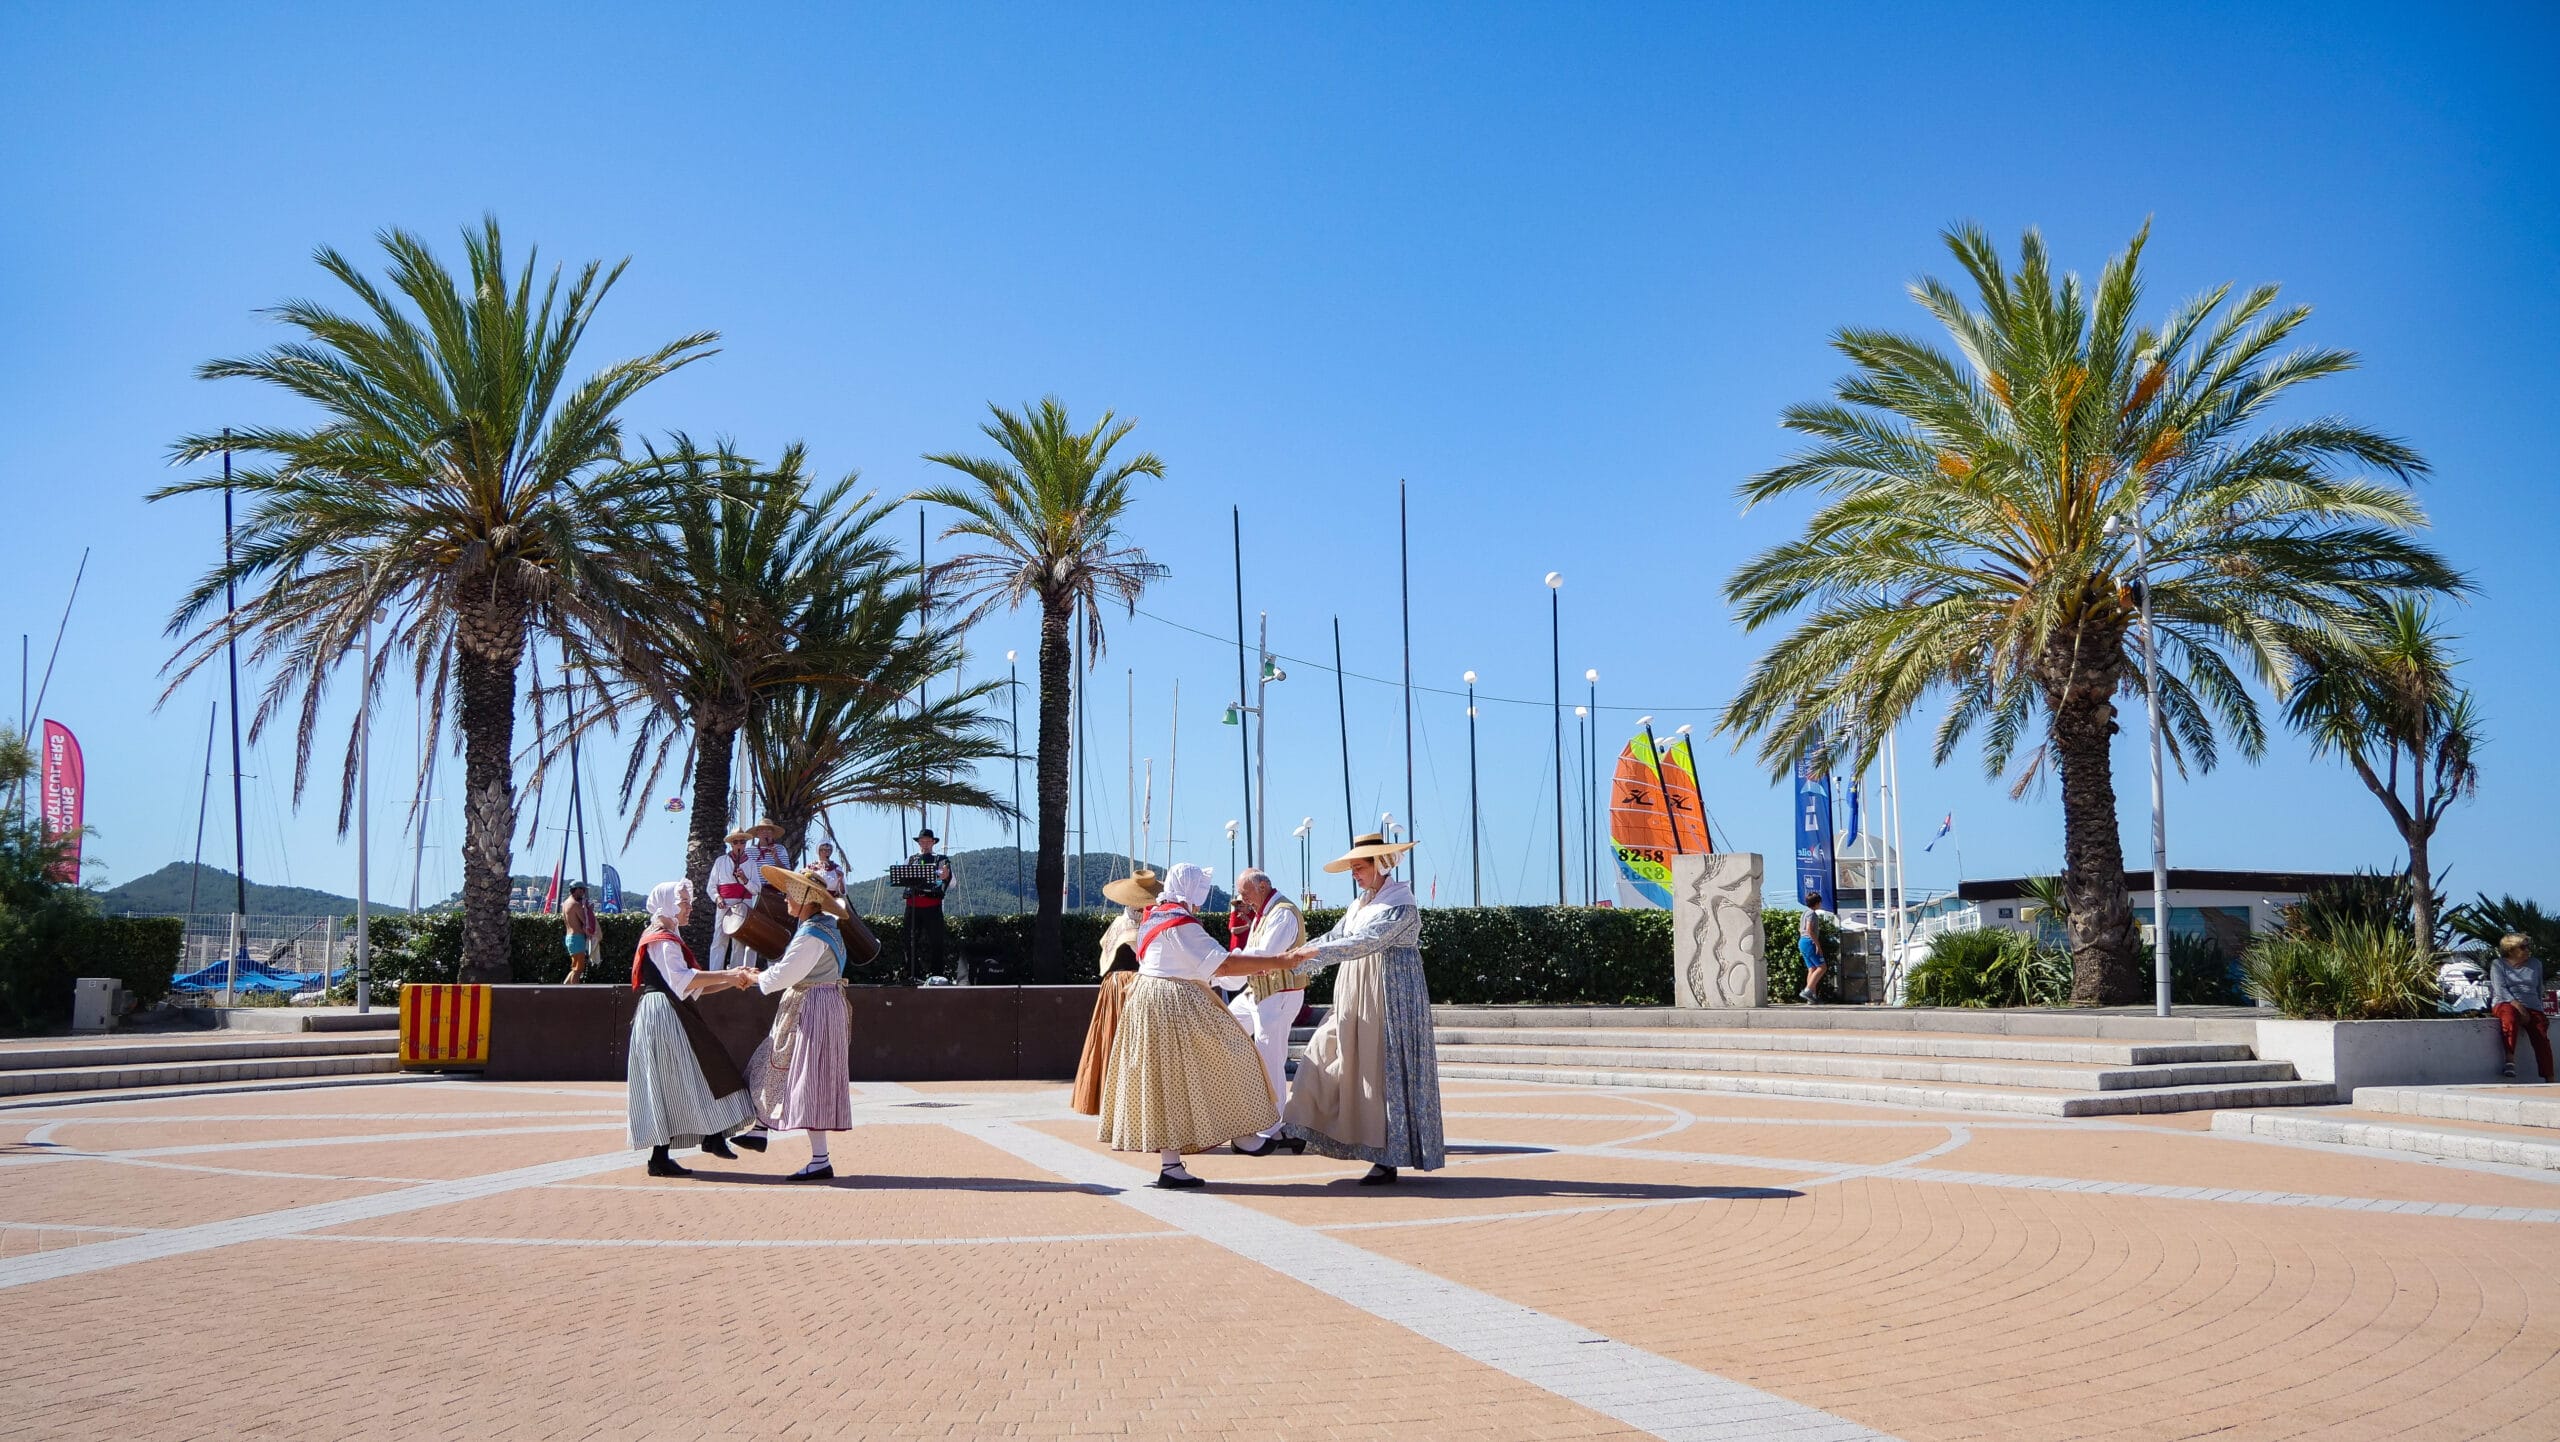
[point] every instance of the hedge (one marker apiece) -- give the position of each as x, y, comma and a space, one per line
44, 949
1470, 955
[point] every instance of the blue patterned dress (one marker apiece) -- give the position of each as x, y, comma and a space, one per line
1368, 1088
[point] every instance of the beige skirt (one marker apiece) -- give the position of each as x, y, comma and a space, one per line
1183, 1076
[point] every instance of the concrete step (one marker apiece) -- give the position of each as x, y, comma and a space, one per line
1703, 1056
2235, 1025
1943, 1096
204, 1047
191, 1073
2084, 1051
310, 1019
2525, 1104
2400, 1132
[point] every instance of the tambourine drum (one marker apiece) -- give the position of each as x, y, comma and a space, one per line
756, 932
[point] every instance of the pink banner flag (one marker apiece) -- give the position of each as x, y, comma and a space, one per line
65, 782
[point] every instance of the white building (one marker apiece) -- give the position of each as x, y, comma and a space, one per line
2227, 906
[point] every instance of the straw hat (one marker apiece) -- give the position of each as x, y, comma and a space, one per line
768, 824
1374, 846
800, 886
1142, 889
742, 834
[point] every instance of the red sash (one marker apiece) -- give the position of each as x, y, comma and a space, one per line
1179, 917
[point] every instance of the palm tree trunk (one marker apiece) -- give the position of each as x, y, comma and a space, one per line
2417, 831
1049, 871
488, 644
705, 836
2080, 671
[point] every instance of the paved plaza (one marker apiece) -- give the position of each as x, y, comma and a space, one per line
426, 1258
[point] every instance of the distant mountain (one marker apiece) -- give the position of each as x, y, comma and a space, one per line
982, 884
534, 887
164, 893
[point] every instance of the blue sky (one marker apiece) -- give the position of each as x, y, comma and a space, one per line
1558, 268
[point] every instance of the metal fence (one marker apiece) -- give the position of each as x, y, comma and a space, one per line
317, 949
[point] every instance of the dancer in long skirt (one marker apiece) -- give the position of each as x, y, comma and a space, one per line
684, 1090
1368, 1088
1183, 1076
798, 1079
1119, 968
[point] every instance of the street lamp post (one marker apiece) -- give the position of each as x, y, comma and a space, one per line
1306, 854
1231, 857
1475, 832
1584, 741
2132, 526
1555, 674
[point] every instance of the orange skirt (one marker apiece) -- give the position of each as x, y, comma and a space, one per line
1092, 1070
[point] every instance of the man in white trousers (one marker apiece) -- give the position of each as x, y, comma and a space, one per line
1269, 1004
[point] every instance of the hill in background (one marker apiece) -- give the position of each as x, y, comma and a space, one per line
983, 884
164, 893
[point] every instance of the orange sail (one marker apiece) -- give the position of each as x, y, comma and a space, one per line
1654, 814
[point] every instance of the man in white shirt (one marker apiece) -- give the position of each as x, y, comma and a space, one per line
830, 873
764, 845
733, 886
1269, 1005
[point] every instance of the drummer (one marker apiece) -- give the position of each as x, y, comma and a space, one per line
734, 883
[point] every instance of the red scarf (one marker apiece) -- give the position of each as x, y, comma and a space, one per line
640, 957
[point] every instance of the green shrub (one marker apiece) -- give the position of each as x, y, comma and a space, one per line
2200, 975
1990, 967
47, 946
2356, 970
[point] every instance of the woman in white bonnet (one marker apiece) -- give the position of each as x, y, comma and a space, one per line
684, 1088
1183, 1076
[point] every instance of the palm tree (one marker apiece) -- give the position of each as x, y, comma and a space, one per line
762, 572
460, 480
1962, 542
816, 748
1047, 513
2379, 692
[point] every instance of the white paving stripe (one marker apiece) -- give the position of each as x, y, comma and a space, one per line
1665, 1398
745, 1243
265, 1226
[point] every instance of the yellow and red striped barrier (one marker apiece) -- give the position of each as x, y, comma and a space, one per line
444, 1026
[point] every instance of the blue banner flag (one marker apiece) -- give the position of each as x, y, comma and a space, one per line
1814, 875
1847, 788
611, 902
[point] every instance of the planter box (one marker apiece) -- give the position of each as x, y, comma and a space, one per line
2439, 1051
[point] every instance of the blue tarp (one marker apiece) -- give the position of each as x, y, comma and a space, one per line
255, 975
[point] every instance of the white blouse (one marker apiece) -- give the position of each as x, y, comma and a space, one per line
681, 977
804, 955
1180, 953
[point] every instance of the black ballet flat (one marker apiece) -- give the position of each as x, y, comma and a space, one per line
813, 1174
667, 1167
1379, 1176
752, 1141
715, 1147
1172, 1183
1297, 1145
1266, 1149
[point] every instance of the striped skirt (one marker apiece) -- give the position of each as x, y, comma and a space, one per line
670, 1104
799, 1073
1183, 1075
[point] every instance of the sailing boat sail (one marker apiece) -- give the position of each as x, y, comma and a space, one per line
1654, 815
